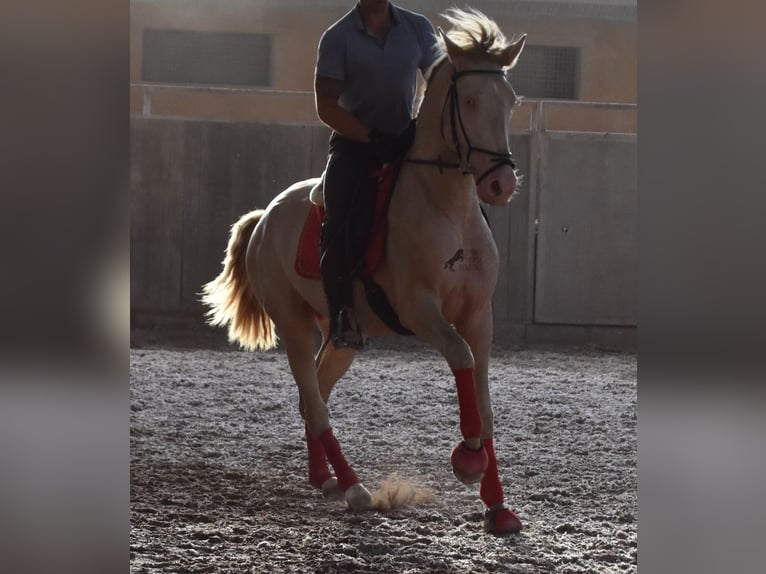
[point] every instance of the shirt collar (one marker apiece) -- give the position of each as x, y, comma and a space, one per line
360, 23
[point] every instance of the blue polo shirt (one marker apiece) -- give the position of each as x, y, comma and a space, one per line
379, 80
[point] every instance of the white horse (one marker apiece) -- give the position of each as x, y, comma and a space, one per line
460, 156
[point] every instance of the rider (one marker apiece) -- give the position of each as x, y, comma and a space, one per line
365, 85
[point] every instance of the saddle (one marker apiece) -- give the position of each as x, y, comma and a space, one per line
307, 257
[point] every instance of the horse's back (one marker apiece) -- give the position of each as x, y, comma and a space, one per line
288, 206
297, 193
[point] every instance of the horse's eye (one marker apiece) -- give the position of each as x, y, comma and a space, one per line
469, 101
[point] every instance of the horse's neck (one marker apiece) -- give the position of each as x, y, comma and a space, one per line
429, 143
450, 190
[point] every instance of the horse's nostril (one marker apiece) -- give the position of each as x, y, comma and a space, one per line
495, 188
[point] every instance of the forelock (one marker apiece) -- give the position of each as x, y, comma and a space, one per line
474, 33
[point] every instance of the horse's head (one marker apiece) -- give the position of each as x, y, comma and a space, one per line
477, 112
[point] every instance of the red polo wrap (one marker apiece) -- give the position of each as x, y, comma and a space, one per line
318, 470
470, 421
346, 475
491, 490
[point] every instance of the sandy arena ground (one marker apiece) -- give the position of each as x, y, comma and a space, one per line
218, 465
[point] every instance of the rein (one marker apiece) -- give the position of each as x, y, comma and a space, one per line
438, 162
500, 158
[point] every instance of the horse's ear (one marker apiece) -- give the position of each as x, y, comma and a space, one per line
512, 52
453, 50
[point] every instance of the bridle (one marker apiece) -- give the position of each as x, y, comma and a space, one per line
500, 159
456, 120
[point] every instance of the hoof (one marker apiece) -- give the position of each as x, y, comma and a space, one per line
501, 520
469, 465
318, 478
358, 498
330, 489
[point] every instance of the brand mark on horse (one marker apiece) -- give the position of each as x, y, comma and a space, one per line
458, 256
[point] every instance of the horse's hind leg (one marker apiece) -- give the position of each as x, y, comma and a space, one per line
331, 365
297, 334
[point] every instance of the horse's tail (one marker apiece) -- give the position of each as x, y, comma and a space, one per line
230, 297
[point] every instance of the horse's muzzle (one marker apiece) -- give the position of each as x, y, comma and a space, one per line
499, 187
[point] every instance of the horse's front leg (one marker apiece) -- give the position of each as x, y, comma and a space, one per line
423, 316
498, 518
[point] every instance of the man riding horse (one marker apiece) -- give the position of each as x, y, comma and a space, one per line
365, 85
459, 158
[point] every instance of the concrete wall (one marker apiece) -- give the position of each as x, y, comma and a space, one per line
607, 46
606, 43
191, 180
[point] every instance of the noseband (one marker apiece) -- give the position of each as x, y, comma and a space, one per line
456, 119
499, 158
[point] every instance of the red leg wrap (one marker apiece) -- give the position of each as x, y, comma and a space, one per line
498, 518
470, 421
491, 490
319, 472
346, 475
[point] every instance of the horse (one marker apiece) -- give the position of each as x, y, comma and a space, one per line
459, 158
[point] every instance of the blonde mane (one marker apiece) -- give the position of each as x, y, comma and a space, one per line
474, 33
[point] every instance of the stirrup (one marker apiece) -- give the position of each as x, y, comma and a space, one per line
348, 334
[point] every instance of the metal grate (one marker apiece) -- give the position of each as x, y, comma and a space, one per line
184, 57
546, 72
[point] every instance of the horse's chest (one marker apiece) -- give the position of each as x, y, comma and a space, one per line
456, 264
468, 277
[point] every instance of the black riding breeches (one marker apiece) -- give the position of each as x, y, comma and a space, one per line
349, 197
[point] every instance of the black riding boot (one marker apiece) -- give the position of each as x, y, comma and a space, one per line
338, 286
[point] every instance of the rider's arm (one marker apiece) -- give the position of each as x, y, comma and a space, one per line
326, 94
